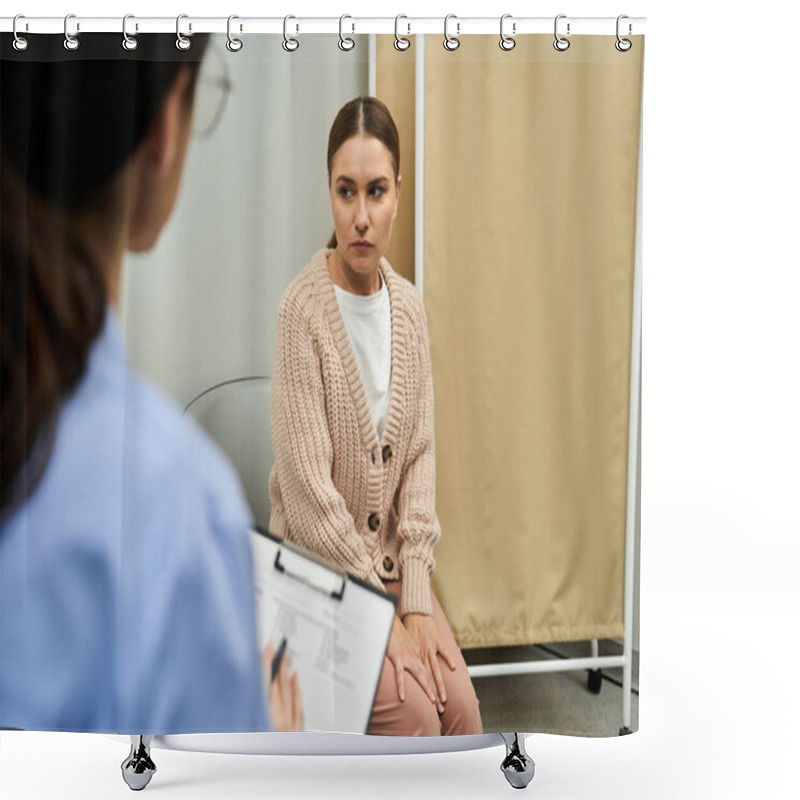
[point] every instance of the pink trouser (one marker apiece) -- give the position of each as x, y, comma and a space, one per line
417, 715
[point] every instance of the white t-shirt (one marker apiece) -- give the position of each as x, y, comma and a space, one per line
369, 327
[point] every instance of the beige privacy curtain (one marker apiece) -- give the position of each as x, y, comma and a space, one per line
531, 167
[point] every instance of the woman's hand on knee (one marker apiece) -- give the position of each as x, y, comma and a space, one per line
422, 630
404, 655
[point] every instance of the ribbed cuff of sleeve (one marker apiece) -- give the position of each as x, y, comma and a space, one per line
415, 597
375, 580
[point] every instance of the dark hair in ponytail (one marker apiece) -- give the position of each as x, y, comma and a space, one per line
69, 123
366, 115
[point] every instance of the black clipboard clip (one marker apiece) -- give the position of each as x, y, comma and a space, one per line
336, 594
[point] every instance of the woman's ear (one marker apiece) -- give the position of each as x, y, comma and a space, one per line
164, 141
157, 166
397, 195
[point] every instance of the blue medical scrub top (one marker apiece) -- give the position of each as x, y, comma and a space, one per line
126, 583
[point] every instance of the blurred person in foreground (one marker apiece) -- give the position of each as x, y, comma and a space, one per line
126, 585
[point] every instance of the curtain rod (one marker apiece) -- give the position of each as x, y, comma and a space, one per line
457, 26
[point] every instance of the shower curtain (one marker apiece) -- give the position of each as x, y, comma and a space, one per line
520, 234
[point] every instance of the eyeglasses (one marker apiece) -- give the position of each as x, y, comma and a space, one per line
213, 87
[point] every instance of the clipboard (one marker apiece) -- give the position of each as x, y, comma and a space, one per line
337, 629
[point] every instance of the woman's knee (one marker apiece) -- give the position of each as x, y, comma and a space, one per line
419, 715
462, 714
414, 716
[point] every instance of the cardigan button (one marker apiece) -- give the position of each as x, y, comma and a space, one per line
388, 564
386, 453
374, 522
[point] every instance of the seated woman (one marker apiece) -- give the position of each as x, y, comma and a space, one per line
352, 425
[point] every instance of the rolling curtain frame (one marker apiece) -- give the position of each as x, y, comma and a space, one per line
436, 28
595, 661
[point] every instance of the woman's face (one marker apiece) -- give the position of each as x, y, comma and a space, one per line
364, 197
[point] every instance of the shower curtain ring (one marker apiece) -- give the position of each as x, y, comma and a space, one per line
507, 42
71, 42
182, 42
289, 44
623, 45
233, 44
451, 42
400, 42
20, 42
345, 42
129, 42
561, 44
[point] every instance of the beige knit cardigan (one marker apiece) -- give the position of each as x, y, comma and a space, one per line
367, 505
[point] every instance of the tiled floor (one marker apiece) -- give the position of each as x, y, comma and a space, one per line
557, 702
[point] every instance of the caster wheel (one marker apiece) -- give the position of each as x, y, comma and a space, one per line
138, 768
625, 731
594, 683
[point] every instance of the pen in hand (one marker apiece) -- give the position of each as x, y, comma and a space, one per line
283, 692
276, 662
